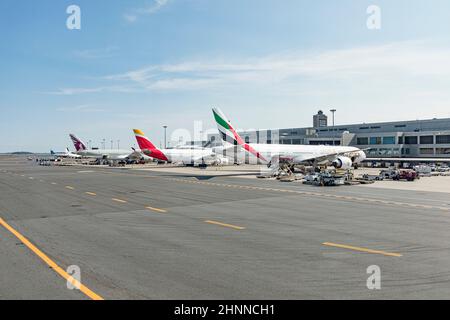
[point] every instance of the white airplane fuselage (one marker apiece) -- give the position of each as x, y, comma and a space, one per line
107, 154
187, 156
298, 153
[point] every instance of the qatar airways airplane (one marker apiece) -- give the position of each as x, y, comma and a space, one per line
106, 154
275, 155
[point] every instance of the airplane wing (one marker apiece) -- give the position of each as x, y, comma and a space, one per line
307, 157
227, 147
205, 157
135, 155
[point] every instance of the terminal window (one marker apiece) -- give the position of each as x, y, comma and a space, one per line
426, 151
443, 139
442, 150
411, 140
362, 141
388, 140
426, 140
375, 140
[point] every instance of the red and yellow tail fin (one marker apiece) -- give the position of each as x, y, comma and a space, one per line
147, 147
143, 142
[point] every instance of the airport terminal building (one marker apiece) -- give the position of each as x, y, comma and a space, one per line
407, 139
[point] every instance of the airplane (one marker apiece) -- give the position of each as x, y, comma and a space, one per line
185, 155
105, 154
281, 156
66, 154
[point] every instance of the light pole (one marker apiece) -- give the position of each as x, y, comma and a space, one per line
112, 144
332, 112
104, 143
118, 144
165, 137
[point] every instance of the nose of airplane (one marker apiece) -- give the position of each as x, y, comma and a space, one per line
361, 156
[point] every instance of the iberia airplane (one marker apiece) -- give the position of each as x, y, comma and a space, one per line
186, 156
275, 155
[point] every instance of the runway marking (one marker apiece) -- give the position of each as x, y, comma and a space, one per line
224, 224
156, 209
54, 183
70, 188
344, 246
91, 193
119, 200
31, 178
317, 194
88, 292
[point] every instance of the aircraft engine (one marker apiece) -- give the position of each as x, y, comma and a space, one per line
222, 161
342, 163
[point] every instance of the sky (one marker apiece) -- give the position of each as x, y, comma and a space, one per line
265, 63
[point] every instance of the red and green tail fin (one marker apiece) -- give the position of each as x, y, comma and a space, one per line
230, 135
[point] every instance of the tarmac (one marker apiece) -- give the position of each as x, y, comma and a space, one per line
170, 233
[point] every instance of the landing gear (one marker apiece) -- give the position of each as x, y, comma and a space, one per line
281, 170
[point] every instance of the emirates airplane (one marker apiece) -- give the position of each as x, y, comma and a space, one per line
277, 155
183, 155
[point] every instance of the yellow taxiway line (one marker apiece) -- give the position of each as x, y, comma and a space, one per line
224, 225
119, 200
70, 188
91, 193
156, 209
344, 246
88, 292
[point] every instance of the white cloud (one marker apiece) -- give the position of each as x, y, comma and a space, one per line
73, 91
416, 63
101, 53
76, 91
130, 17
392, 61
154, 7
81, 108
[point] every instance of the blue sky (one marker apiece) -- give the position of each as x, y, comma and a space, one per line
266, 64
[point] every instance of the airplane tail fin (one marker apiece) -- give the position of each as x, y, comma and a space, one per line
147, 146
67, 151
230, 135
79, 145
52, 152
143, 142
